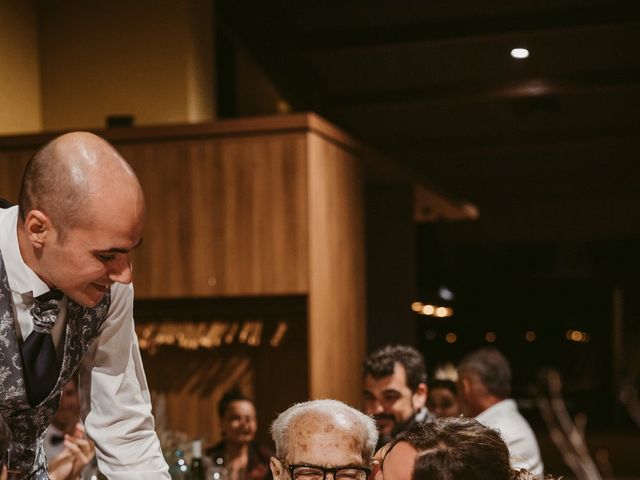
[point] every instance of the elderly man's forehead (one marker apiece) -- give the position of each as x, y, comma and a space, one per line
320, 431
323, 419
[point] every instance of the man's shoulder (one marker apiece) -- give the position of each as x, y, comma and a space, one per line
505, 417
120, 299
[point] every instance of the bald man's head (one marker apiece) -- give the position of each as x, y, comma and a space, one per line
67, 177
82, 213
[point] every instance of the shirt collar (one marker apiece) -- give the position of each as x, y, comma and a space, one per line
21, 278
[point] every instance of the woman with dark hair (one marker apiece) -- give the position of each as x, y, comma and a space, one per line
443, 398
447, 449
238, 452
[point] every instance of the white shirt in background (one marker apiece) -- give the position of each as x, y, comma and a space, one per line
516, 433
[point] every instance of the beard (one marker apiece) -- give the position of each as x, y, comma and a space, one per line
397, 427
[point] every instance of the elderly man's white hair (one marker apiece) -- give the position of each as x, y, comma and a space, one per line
337, 413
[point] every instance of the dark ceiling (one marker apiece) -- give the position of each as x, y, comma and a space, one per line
546, 147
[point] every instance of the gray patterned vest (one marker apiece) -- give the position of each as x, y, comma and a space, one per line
28, 424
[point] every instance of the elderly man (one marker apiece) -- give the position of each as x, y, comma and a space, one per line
395, 389
66, 304
323, 436
484, 387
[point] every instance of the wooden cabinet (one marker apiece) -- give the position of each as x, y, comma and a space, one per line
225, 216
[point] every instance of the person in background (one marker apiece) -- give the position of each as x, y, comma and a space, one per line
67, 448
320, 437
238, 452
447, 449
443, 398
484, 386
395, 389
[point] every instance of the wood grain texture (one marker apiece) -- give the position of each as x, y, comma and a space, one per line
337, 330
12, 165
225, 217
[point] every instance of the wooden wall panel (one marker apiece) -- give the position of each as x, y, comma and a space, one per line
11, 167
186, 387
225, 216
337, 331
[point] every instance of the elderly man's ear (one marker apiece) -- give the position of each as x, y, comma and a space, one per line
276, 469
375, 468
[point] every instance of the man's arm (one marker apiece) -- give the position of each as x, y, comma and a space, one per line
115, 401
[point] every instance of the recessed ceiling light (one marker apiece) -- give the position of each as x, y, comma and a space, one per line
519, 53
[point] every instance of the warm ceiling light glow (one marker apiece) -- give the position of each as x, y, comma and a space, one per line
451, 337
578, 336
519, 53
417, 307
441, 312
428, 309
490, 337
530, 336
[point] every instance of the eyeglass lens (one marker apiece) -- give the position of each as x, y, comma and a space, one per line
310, 473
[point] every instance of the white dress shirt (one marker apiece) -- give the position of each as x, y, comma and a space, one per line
114, 396
516, 433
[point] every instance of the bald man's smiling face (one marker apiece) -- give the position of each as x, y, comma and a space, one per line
82, 211
95, 255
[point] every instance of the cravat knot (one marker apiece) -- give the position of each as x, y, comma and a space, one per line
39, 361
45, 311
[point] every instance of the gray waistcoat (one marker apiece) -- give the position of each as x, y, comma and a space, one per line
28, 424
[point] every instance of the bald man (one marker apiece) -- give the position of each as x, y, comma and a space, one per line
66, 303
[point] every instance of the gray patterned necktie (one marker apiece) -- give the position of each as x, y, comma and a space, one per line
39, 360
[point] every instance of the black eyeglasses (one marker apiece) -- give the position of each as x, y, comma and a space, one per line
316, 472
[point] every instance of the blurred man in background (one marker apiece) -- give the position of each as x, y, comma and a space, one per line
484, 386
395, 389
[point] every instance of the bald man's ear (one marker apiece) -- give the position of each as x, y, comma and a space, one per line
419, 397
38, 227
276, 468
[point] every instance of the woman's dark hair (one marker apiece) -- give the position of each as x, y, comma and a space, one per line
228, 398
5, 441
458, 449
443, 383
